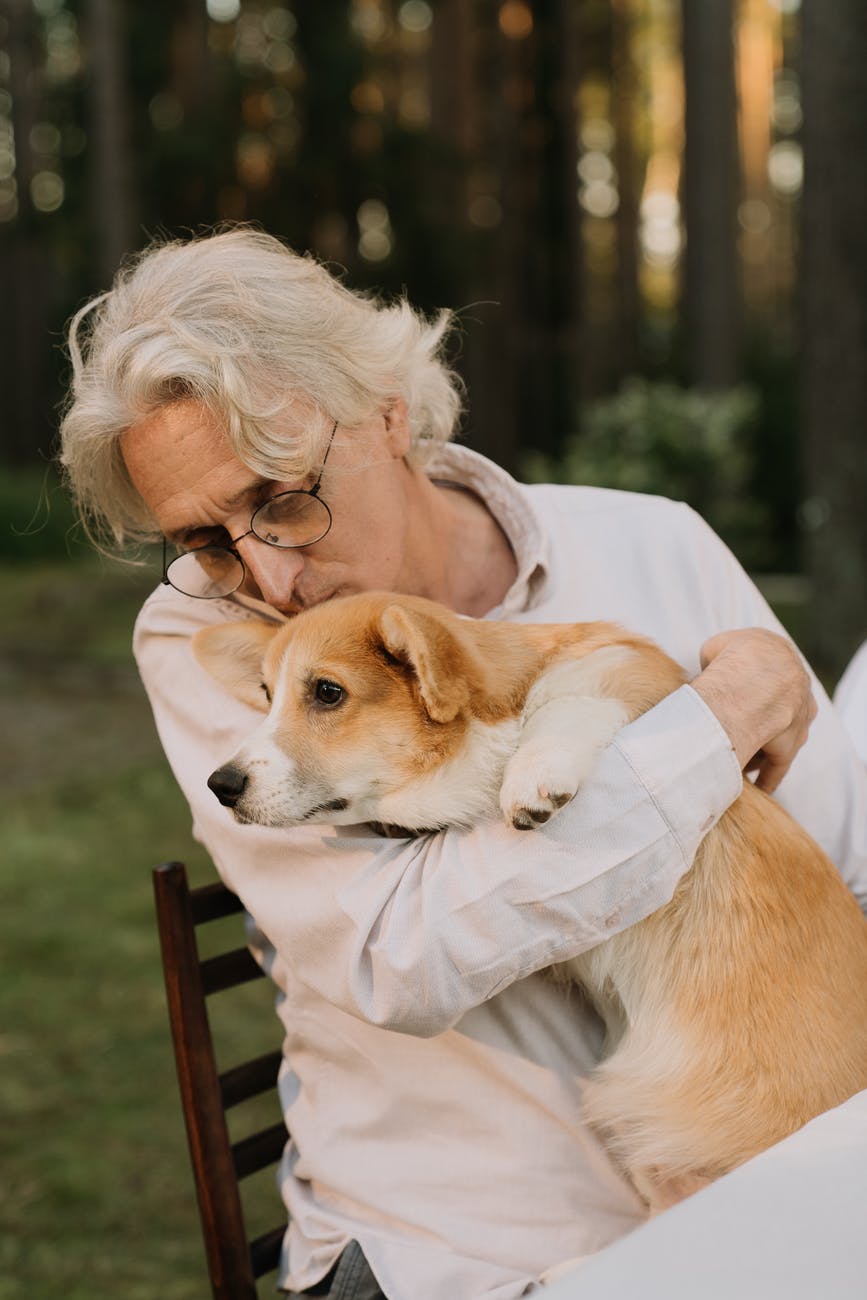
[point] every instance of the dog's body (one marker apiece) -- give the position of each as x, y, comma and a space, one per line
734, 1014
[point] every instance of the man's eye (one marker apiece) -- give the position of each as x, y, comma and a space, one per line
204, 537
327, 692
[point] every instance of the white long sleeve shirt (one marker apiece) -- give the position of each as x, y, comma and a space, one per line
850, 699
432, 1077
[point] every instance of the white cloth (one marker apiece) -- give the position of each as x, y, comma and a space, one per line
787, 1225
432, 1081
850, 699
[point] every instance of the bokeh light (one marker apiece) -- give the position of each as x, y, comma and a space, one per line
376, 238
786, 167
47, 191
368, 21
8, 200
415, 15
223, 11
516, 20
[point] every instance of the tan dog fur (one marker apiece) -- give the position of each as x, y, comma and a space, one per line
734, 1014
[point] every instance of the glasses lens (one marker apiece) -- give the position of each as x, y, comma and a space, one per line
206, 573
292, 519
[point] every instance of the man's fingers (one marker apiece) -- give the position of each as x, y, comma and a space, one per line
773, 761
769, 768
713, 646
771, 773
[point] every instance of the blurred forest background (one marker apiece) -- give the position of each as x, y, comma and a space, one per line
629, 200
652, 216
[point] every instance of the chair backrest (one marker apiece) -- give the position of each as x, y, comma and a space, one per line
234, 1262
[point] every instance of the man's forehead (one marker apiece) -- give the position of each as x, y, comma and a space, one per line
185, 517
182, 464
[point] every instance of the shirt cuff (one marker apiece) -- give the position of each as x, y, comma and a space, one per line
685, 761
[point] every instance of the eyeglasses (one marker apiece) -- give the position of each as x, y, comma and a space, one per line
288, 520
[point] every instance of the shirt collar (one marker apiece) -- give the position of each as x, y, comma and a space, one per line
509, 503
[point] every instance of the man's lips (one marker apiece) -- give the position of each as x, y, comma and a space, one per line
299, 604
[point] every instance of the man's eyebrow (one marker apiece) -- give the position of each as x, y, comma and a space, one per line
179, 534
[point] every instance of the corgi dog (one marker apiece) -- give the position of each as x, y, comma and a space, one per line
734, 1013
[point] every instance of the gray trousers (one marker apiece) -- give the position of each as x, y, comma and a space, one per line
350, 1279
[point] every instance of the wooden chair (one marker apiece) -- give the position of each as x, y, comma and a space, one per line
234, 1262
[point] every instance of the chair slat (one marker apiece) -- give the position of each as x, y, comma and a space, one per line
259, 1150
229, 969
250, 1078
265, 1251
210, 902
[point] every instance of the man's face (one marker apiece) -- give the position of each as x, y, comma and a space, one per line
181, 463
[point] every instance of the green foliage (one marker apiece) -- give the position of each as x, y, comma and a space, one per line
37, 519
687, 444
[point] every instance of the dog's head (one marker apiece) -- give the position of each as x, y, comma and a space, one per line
367, 694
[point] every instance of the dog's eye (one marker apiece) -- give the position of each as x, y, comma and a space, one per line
328, 693
264, 687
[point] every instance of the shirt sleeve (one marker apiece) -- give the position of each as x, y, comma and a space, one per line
410, 934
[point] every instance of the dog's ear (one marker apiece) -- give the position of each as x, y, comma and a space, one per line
443, 665
233, 653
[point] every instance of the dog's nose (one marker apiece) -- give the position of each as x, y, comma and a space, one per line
228, 784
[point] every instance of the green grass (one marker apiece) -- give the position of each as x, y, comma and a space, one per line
96, 1198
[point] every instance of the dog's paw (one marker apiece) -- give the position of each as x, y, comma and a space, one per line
534, 810
537, 782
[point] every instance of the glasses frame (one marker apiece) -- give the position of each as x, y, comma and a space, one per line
230, 547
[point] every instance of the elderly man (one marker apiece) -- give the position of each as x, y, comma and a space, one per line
290, 441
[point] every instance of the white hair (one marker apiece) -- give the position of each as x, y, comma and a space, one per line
241, 323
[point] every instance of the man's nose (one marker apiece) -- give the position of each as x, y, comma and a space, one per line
271, 570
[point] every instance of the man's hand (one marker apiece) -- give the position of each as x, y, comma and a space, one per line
755, 683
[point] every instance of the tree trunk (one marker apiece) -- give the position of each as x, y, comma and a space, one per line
711, 189
565, 269
467, 73
624, 112
113, 205
834, 323
23, 271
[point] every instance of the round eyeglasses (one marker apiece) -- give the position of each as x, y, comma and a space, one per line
288, 521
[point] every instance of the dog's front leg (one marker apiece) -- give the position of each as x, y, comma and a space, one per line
567, 723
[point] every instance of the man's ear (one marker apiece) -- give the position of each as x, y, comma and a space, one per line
440, 663
397, 430
233, 653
